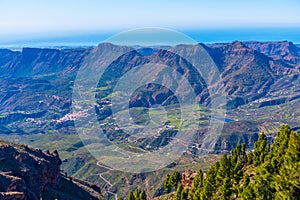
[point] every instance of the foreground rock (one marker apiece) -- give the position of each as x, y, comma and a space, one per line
27, 173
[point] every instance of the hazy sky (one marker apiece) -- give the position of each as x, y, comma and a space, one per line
25, 22
20, 16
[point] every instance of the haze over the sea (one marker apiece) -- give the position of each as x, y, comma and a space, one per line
74, 39
52, 23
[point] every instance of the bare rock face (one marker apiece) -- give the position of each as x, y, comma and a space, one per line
12, 196
28, 170
187, 178
27, 173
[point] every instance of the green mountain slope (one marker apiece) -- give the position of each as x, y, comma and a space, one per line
270, 171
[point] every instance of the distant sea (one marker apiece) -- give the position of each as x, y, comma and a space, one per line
91, 39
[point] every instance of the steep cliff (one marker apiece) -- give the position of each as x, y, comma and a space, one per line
28, 173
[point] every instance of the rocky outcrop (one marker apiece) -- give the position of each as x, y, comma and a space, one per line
31, 174
187, 178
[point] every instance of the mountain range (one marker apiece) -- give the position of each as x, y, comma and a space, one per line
37, 83
260, 79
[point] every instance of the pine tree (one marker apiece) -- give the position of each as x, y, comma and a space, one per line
174, 179
246, 180
279, 147
243, 186
178, 192
210, 182
197, 184
238, 172
224, 170
136, 194
248, 193
198, 195
130, 196
260, 150
250, 158
263, 182
226, 189
288, 181
143, 195
198, 180
276, 172
167, 184
237, 176
234, 156
184, 194
244, 154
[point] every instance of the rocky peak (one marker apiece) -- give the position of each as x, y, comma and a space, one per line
107, 47
238, 44
236, 48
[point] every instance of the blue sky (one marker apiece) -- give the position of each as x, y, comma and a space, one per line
54, 17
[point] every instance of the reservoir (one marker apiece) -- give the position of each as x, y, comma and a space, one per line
226, 120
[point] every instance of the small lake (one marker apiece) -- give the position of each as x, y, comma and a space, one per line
226, 120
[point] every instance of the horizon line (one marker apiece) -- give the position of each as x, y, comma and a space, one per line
61, 47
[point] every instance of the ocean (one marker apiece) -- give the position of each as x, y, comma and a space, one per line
93, 38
